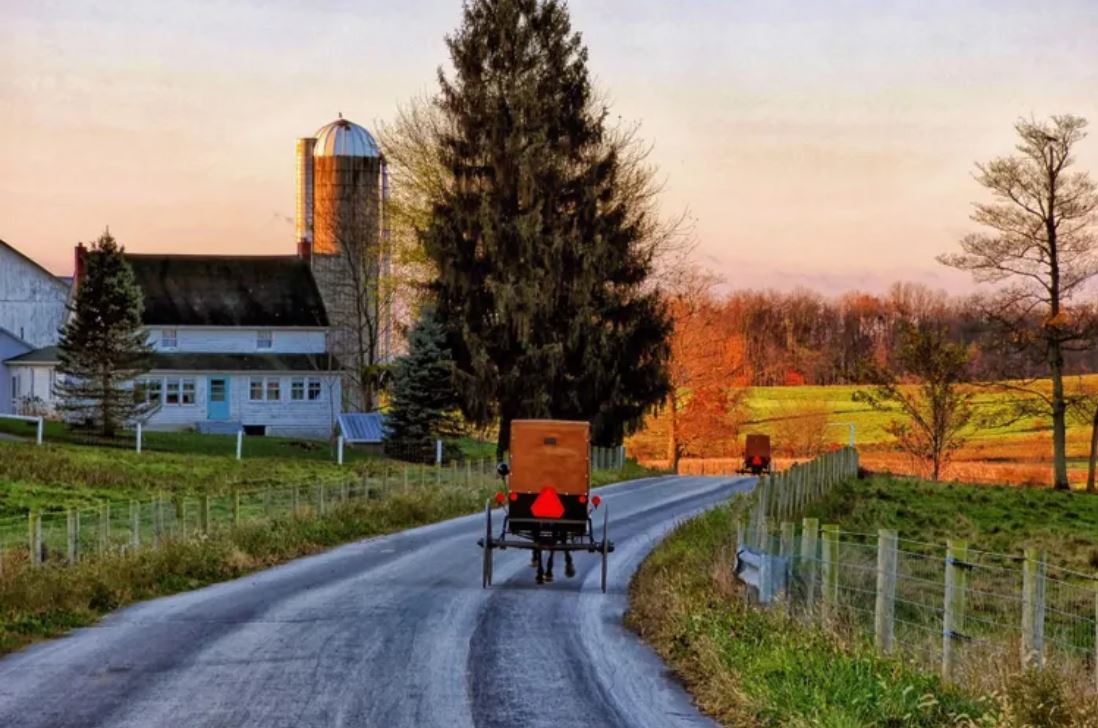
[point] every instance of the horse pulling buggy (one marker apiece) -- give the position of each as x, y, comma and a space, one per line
547, 498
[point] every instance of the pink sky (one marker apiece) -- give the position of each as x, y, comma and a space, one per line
827, 145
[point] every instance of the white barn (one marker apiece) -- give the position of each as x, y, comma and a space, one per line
32, 309
241, 342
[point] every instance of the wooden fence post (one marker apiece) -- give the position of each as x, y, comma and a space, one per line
158, 519
885, 612
810, 532
953, 620
135, 525
34, 538
829, 571
236, 507
104, 528
72, 531
785, 550
1033, 608
181, 515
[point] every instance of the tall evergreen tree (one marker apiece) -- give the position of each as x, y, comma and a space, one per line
424, 405
543, 273
103, 347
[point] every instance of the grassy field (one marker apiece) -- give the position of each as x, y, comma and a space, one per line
748, 667
75, 470
1003, 520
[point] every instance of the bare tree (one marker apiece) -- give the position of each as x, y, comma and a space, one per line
1043, 245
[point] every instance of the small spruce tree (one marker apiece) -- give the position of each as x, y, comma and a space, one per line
103, 347
424, 404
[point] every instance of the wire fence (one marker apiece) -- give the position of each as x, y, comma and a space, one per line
67, 536
948, 606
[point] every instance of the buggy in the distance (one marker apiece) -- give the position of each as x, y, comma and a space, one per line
547, 498
756, 455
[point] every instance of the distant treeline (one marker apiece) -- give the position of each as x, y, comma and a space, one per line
802, 337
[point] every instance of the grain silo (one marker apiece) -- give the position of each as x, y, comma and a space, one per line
342, 191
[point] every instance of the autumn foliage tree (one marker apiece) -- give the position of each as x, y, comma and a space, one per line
706, 367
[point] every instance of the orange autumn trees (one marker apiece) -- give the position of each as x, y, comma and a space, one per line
702, 414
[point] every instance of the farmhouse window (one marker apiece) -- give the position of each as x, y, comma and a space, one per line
153, 389
171, 392
314, 389
263, 339
188, 391
273, 389
169, 339
255, 391
297, 389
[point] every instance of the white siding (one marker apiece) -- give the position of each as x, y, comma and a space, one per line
9, 347
32, 301
232, 340
283, 418
35, 380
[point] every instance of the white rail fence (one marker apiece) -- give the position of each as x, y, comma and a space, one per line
950, 606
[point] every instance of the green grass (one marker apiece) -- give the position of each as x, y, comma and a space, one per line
1000, 519
746, 666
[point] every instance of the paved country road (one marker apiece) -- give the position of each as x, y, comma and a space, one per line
390, 632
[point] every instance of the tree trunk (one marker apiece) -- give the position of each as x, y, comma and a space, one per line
937, 467
1059, 419
503, 442
1093, 451
673, 435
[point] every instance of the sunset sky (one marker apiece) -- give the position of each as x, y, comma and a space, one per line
820, 144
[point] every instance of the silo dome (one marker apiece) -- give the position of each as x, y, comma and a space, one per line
343, 138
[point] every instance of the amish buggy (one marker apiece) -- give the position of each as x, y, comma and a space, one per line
547, 498
756, 455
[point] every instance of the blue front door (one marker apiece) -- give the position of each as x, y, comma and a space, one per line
217, 399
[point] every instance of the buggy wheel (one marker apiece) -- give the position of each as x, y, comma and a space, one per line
605, 545
486, 579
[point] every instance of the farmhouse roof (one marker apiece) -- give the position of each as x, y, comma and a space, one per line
45, 355
212, 290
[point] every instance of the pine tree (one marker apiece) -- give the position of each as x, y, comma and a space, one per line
103, 347
543, 274
423, 406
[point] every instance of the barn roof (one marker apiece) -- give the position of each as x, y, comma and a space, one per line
212, 290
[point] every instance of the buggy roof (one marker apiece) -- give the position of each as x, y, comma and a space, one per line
550, 454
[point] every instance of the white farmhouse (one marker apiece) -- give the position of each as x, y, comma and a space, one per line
241, 342
32, 309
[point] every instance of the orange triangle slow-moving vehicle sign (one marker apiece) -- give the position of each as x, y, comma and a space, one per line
547, 504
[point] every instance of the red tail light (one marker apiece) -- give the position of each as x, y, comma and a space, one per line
596, 501
514, 496
499, 498
756, 460
583, 499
